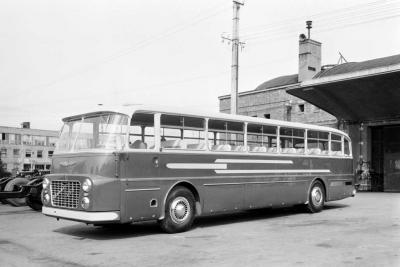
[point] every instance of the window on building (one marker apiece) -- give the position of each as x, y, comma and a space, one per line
52, 141
16, 152
27, 167
39, 154
3, 136
11, 139
3, 152
301, 107
50, 153
39, 166
48, 166
39, 140
27, 139
267, 116
28, 154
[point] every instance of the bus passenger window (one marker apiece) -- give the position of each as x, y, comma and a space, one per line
141, 132
261, 138
346, 147
318, 142
225, 136
292, 140
182, 132
336, 144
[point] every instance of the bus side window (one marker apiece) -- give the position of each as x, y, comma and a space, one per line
261, 138
182, 132
346, 147
141, 131
317, 142
292, 140
336, 144
226, 136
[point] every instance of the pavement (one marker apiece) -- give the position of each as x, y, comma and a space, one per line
360, 231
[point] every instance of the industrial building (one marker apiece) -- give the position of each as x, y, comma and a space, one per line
361, 98
25, 149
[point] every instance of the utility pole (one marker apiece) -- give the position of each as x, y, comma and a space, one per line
235, 55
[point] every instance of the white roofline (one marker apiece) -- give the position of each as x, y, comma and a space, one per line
351, 75
223, 116
230, 117
251, 92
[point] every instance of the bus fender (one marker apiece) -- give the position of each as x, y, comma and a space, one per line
188, 185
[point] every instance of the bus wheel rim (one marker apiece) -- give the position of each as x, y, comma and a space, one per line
316, 196
179, 210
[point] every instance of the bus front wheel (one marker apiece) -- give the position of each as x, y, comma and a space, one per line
179, 211
316, 197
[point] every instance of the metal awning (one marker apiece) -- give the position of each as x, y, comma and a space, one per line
372, 94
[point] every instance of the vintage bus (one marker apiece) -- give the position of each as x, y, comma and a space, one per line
168, 165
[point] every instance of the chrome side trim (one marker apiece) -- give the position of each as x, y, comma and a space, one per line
198, 166
261, 161
142, 189
269, 182
273, 171
82, 215
176, 178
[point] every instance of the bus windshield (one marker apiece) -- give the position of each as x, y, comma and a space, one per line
105, 131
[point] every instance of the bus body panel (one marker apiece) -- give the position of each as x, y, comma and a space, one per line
238, 187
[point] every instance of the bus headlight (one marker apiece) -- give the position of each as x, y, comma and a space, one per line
85, 202
87, 186
46, 198
45, 183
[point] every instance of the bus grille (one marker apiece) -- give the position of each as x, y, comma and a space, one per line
65, 194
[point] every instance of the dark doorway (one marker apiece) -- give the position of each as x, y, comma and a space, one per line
385, 158
377, 159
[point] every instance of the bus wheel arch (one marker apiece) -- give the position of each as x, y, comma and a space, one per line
189, 186
316, 195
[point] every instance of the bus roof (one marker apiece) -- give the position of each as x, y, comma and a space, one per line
130, 110
231, 117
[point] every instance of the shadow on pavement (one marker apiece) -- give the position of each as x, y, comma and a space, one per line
120, 231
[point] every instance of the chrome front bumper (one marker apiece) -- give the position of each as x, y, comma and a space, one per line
83, 216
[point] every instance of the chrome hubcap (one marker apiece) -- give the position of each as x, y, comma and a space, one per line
317, 196
179, 210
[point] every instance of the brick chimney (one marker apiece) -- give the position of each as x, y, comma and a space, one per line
26, 125
309, 56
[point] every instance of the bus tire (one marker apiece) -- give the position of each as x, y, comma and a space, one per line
316, 197
15, 185
33, 203
179, 211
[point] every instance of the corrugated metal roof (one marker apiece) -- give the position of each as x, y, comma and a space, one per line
358, 66
279, 81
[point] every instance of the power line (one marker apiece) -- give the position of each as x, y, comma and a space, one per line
331, 18
141, 44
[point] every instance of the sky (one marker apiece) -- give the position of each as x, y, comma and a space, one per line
64, 57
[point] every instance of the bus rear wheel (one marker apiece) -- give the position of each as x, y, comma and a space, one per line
316, 197
179, 211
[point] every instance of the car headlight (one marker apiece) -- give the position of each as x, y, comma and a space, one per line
85, 202
46, 198
45, 183
87, 185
